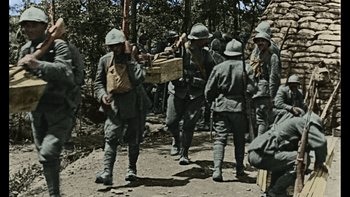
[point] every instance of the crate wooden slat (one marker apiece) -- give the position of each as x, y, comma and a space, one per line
263, 179
164, 71
24, 92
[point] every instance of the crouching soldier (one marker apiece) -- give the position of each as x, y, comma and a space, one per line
289, 101
118, 87
277, 150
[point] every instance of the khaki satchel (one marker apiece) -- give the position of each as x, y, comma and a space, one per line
117, 78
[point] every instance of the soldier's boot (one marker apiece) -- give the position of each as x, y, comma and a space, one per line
279, 189
133, 153
239, 156
175, 146
106, 175
184, 160
218, 159
52, 176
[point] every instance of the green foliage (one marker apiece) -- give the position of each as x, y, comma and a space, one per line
88, 21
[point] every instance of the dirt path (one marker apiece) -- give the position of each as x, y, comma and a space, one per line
161, 175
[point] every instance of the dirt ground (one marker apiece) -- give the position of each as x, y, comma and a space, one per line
159, 173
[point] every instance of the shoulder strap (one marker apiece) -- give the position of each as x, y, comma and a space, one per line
110, 62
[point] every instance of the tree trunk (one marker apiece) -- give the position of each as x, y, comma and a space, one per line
133, 21
187, 19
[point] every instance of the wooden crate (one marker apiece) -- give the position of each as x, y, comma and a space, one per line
164, 70
25, 92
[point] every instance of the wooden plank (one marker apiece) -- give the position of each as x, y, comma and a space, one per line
263, 179
316, 184
164, 71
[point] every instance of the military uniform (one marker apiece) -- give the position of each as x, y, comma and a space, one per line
126, 115
52, 118
289, 101
79, 74
225, 88
267, 72
276, 150
187, 93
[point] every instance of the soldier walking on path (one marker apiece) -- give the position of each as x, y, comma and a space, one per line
52, 118
187, 93
225, 88
125, 103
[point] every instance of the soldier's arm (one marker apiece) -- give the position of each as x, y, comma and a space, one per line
275, 75
100, 79
211, 88
137, 73
318, 142
280, 99
61, 68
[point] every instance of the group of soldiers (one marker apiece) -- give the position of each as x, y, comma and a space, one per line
219, 79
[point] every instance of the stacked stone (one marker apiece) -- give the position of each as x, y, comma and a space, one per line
314, 36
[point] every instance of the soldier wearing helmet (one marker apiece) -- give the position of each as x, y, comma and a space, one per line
215, 44
52, 117
290, 98
187, 93
264, 26
125, 111
225, 88
267, 73
277, 150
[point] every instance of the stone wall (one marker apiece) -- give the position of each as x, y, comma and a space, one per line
314, 37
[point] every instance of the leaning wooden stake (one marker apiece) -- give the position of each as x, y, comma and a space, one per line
315, 186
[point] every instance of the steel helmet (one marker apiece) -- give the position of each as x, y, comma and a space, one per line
227, 37
114, 36
293, 79
33, 14
215, 45
262, 35
264, 26
217, 34
199, 31
171, 34
233, 48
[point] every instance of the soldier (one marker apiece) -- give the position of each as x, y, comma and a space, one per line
225, 88
126, 111
172, 38
290, 98
276, 151
52, 118
264, 26
267, 73
215, 44
160, 93
79, 74
187, 93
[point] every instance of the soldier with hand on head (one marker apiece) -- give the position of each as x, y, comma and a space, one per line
226, 89
125, 103
53, 116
